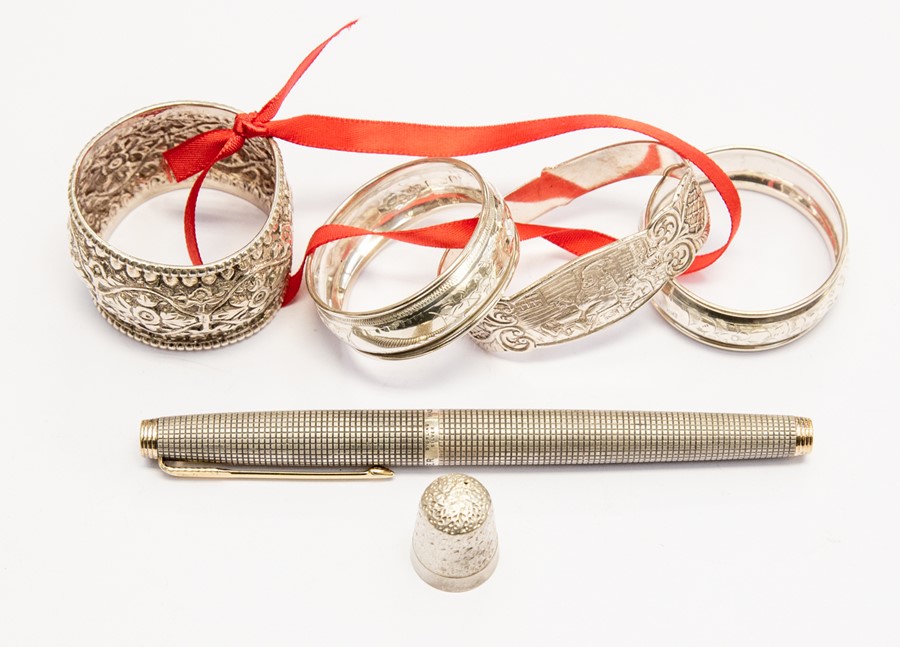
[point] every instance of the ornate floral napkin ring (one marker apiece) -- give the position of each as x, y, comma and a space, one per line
801, 188
169, 306
449, 305
603, 286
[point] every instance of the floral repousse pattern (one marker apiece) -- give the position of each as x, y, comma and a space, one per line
604, 286
182, 308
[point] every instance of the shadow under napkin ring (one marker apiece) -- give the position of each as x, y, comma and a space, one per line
603, 286
802, 189
450, 304
171, 306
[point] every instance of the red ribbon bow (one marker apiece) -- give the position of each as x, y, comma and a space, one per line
198, 154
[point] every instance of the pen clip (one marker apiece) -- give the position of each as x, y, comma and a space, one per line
196, 471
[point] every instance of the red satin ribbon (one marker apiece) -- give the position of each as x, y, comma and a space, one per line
198, 154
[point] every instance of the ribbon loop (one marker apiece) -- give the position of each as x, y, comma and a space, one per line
198, 154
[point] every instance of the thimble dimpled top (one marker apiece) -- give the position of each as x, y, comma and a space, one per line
455, 539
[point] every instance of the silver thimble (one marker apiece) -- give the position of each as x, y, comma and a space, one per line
454, 544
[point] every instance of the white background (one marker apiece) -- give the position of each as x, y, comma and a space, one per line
97, 546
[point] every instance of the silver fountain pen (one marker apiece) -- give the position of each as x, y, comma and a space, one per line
368, 443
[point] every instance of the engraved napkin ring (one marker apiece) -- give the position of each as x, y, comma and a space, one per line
449, 305
603, 286
170, 306
801, 188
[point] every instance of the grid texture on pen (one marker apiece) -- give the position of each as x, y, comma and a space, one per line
569, 437
295, 438
471, 437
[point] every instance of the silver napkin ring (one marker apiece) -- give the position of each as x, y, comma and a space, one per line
801, 188
449, 305
171, 306
599, 288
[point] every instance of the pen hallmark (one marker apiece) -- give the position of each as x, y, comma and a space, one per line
433, 420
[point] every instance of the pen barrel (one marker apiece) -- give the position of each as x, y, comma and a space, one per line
459, 437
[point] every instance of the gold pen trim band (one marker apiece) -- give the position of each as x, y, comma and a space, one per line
803, 442
150, 439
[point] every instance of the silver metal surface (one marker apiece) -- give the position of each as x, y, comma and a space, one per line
600, 288
454, 545
170, 306
279, 440
801, 188
445, 308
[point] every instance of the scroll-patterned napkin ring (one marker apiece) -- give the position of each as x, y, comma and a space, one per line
449, 305
169, 306
801, 188
599, 288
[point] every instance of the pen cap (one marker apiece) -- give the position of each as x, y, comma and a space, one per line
454, 544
